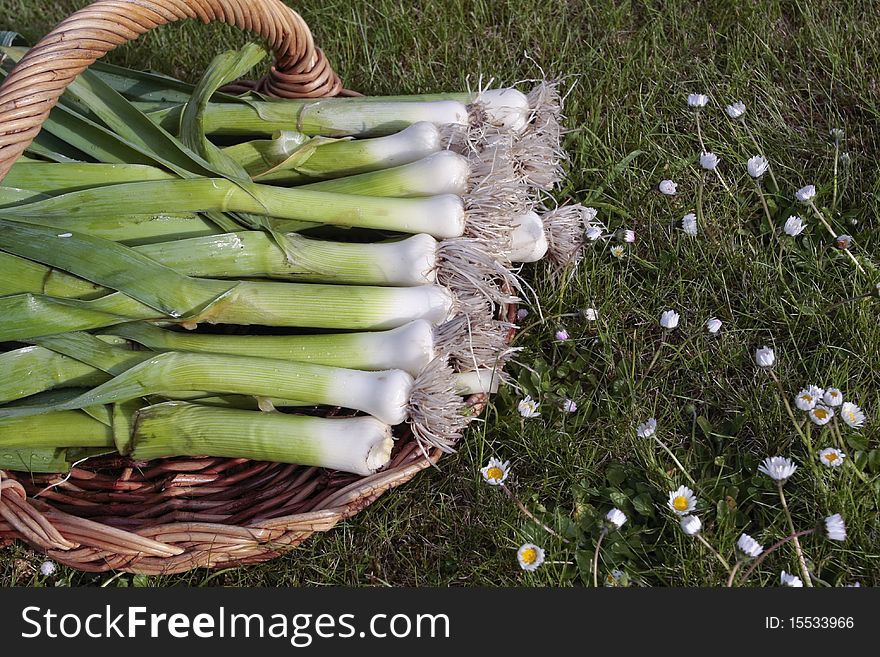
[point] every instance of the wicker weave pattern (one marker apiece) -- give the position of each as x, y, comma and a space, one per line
33, 88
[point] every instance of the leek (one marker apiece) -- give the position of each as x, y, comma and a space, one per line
361, 445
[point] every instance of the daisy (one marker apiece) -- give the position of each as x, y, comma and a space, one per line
777, 468
735, 110
528, 407
589, 214
668, 187
697, 100
691, 525
496, 472
836, 134
852, 415
843, 241
834, 527
569, 406
594, 233
689, 223
806, 194
530, 556
669, 319
765, 357
562, 335
618, 251
713, 325
647, 429
48, 568
790, 580
821, 415
629, 236
749, 546
806, 400
616, 517
682, 501
758, 166
709, 161
521, 314
832, 397
591, 314
794, 226
832, 457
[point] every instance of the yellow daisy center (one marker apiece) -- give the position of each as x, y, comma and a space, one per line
831, 456
851, 416
529, 556
820, 413
494, 472
807, 398
680, 503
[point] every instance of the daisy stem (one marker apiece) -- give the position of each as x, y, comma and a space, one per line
834, 193
530, 515
764, 204
656, 354
677, 462
828, 227
758, 147
794, 535
733, 573
700, 133
794, 421
596, 557
838, 434
723, 561
769, 550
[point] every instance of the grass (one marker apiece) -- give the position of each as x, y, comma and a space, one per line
802, 68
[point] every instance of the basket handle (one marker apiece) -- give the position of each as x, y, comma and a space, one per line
34, 86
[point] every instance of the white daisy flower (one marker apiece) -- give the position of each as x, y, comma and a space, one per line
569, 406
832, 457
852, 415
836, 134
697, 100
832, 397
614, 577
790, 580
594, 233
530, 556
709, 161
765, 357
496, 471
618, 251
806, 194
668, 187
48, 568
528, 407
521, 314
646, 429
843, 241
629, 236
616, 517
713, 325
561, 335
735, 110
682, 500
794, 226
835, 527
821, 415
591, 314
806, 400
749, 546
589, 214
669, 319
777, 468
758, 166
691, 525
689, 224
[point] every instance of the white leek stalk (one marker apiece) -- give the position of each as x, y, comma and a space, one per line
529, 240
361, 445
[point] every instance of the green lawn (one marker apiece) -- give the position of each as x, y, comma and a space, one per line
802, 68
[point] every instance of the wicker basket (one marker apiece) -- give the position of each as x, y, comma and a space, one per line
173, 515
